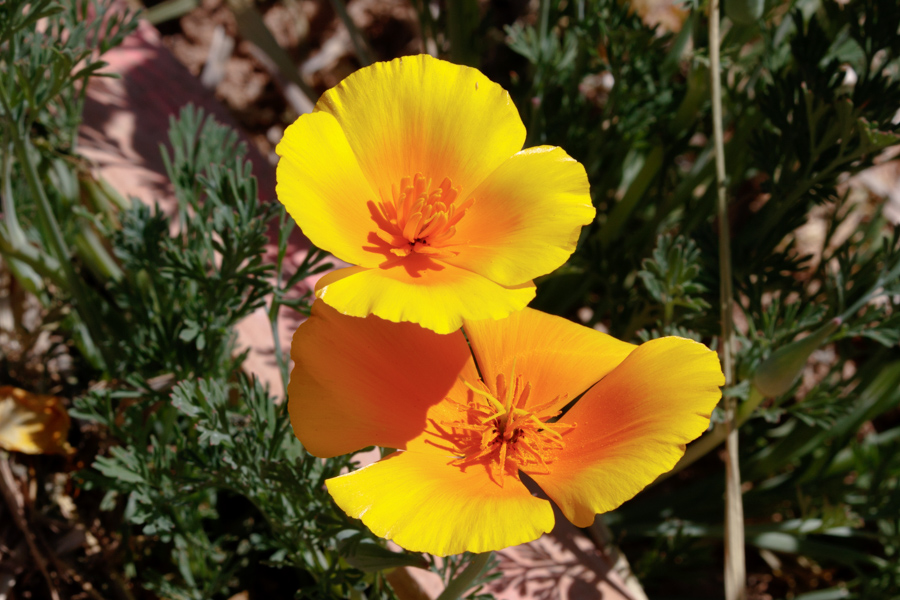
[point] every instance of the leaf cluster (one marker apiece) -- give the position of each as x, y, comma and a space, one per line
45, 69
670, 278
54, 211
217, 480
210, 475
181, 294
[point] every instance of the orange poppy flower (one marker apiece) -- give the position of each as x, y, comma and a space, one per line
412, 170
469, 413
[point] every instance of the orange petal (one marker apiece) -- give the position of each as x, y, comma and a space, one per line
421, 290
556, 356
418, 114
368, 382
526, 218
633, 426
32, 423
324, 190
426, 505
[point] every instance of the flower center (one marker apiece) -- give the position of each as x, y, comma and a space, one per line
505, 433
421, 218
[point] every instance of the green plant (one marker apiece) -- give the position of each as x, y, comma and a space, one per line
795, 133
191, 466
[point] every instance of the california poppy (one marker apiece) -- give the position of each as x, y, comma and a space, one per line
413, 171
469, 412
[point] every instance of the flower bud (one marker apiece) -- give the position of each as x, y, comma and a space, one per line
778, 373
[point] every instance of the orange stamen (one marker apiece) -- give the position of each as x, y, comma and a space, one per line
422, 221
500, 427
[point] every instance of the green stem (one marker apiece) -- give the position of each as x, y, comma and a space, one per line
359, 42
668, 314
876, 289
279, 353
537, 84
735, 565
458, 586
56, 241
276, 304
16, 235
13, 242
462, 21
545, 20
45, 266
427, 27
649, 171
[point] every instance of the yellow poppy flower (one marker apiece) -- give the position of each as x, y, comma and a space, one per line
469, 412
412, 170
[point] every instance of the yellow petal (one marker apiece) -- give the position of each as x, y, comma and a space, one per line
324, 190
32, 423
418, 289
426, 505
368, 382
556, 356
418, 114
526, 218
633, 426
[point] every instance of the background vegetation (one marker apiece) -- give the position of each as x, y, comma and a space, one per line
128, 314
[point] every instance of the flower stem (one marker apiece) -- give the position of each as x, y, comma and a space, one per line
458, 586
283, 233
735, 567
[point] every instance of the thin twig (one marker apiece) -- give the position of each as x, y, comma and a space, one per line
735, 567
17, 507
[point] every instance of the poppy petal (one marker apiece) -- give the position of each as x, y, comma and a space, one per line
418, 289
426, 505
33, 423
324, 190
556, 356
418, 114
633, 426
369, 382
526, 218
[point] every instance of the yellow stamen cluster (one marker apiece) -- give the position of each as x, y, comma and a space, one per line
421, 219
508, 435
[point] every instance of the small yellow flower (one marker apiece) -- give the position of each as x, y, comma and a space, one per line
32, 423
470, 412
412, 170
